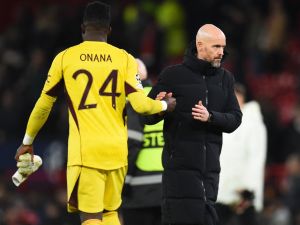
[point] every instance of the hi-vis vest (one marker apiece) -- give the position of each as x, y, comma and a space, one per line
149, 158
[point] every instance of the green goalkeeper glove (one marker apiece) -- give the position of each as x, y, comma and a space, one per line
26, 167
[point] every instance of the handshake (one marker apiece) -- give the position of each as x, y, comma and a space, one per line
26, 166
168, 98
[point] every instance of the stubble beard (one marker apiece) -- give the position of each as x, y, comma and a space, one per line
216, 63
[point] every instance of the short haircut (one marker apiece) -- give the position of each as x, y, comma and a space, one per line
97, 14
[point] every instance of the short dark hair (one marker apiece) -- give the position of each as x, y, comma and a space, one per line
97, 14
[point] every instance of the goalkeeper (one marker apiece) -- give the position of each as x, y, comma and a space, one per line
97, 78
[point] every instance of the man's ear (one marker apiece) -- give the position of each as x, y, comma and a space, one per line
199, 44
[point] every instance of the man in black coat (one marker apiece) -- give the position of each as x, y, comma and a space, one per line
206, 107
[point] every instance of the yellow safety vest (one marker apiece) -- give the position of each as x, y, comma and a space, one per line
149, 158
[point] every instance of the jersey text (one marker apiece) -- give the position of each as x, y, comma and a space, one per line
95, 57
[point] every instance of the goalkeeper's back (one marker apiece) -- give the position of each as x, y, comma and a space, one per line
97, 77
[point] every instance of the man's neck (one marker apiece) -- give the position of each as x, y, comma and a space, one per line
94, 36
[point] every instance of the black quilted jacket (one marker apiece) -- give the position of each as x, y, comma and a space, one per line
192, 148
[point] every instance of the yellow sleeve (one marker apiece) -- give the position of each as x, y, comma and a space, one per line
39, 115
143, 104
55, 74
44, 104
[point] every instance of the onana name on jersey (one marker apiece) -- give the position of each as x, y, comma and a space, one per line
90, 57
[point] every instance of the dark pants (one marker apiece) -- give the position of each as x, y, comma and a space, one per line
225, 214
142, 216
228, 217
209, 220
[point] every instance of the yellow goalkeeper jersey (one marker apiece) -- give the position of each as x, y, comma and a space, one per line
96, 77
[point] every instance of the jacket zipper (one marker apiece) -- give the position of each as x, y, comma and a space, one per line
204, 191
206, 92
204, 147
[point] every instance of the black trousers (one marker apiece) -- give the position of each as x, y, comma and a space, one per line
228, 217
142, 216
209, 220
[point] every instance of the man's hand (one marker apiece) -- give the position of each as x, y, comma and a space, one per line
246, 201
24, 149
163, 94
200, 112
26, 167
171, 102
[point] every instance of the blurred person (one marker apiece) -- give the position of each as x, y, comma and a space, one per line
135, 22
174, 31
276, 25
151, 46
243, 161
270, 38
292, 189
275, 212
291, 134
97, 78
206, 107
142, 190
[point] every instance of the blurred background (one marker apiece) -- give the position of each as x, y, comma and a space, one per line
264, 54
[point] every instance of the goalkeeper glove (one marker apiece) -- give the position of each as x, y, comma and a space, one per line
26, 167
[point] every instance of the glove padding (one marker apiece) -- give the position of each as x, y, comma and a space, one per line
26, 167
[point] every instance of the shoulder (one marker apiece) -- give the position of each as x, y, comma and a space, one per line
119, 50
58, 58
61, 53
126, 56
226, 72
172, 70
174, 67
227, 75
66, 51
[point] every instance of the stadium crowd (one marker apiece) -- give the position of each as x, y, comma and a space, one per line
263, 53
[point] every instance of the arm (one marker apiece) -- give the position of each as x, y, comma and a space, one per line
155, 93
145, 105
38, 117
231, 118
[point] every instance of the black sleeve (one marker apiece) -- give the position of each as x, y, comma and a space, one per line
229, 120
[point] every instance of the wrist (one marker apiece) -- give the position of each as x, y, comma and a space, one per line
27, 140
210, 117
164, 105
